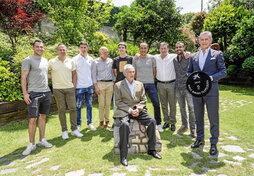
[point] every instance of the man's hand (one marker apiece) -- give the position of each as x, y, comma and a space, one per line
137, 55
97, 91
187, 55
27, 99
135, 113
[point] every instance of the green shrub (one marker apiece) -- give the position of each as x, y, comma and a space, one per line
248, 64
5, 47
113, 49
232, 70
9, 83
98, 40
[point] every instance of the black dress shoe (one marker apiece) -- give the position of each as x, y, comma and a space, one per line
198, 143
213, 149
124, 161
172, 127
154, 154
166, 125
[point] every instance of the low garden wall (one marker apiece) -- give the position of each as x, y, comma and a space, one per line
17, 110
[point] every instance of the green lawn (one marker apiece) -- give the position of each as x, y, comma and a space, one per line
94, 152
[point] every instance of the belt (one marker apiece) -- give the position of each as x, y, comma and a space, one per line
166, 82
105, 80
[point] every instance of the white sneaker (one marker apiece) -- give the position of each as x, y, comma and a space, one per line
65, 135
159, 128
29, 149
76, 133
79, 127
44, 143
91, 127
111, 129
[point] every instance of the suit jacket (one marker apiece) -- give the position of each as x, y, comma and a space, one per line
124, 100
214, 66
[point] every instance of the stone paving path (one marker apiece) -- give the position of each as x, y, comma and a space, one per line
235, 155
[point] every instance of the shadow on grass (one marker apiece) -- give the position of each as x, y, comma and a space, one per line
104, 133
115, 159
17, 154
238, 90
201, 165
176, 139
23, 124
9, 159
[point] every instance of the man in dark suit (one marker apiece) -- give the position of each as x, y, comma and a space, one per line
130, 101
212, 63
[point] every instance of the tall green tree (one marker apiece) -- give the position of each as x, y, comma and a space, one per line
223, 21
248, 4
150, 21
76, 20
242, 43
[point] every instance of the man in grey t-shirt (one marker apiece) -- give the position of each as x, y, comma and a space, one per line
183, 96
145, 67
37, 95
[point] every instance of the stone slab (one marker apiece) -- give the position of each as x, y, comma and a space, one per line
8, 171
233, 148
76, 173
37, 163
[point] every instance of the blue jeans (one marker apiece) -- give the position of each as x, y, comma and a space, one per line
151, 91
88, 94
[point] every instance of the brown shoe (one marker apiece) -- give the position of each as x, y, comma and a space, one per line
101, 125
108, 125
192, 133
182, 129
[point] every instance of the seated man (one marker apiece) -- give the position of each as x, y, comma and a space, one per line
130, 101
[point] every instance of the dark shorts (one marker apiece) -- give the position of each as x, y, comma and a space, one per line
40, 104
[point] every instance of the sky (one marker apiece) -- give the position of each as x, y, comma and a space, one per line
187, 5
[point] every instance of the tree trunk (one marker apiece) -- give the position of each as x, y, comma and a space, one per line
225, 42
13, 42
125, 35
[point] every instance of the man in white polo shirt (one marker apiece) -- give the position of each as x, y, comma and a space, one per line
84, 87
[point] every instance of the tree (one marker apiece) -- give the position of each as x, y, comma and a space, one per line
242, 43
197, 22
187, 17
150, 21
76, 20
248, 4
18, 17
212, 4
223, 21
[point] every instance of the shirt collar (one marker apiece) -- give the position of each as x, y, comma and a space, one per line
129, 82
83, 56
65, 60
206, 51
103, 60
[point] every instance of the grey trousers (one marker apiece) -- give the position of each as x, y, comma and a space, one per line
184, 96
65, 97
124, 131
212, 106
168, 100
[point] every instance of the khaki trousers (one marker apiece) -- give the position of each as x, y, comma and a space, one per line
104, 100
168, 100
65, 97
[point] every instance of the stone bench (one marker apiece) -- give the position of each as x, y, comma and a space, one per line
137, 138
